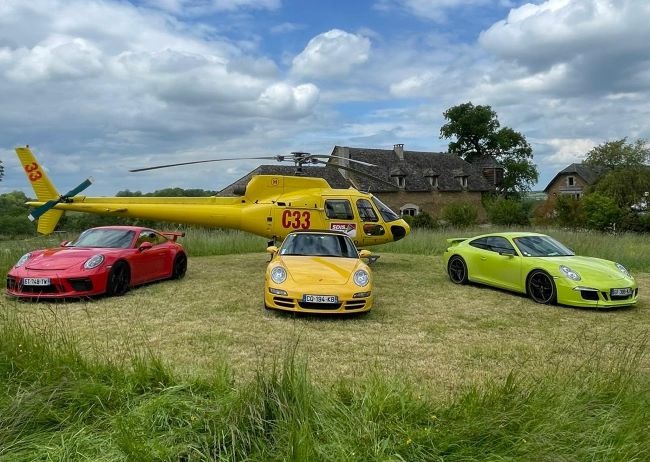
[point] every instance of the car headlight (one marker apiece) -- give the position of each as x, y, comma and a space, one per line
623, 270
568, 272
22, 260
361, 278
278, 275
94, 261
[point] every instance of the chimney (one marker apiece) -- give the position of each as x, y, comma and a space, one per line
399, 150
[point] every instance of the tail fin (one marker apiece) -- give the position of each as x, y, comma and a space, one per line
43, 188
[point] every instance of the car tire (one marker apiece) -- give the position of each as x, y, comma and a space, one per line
457, 270
180, 266
541, 287
119, 279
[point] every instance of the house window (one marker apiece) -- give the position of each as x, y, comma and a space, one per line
570, 181
409, 210
433, 180
401, 181
463, 181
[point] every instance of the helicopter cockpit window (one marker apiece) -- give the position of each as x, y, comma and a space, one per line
386, 213
338, 209
366, 212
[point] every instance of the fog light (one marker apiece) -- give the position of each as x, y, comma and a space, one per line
361, 295
277, 291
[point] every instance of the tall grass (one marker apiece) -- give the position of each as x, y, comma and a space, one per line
56, 405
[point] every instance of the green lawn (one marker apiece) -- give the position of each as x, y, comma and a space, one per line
197, 370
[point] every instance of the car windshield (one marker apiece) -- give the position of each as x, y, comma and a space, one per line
541, 246
323, 245
107, 238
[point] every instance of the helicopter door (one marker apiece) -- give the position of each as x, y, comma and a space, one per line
370, 220
340, 216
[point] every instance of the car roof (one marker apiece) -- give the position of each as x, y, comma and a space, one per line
122, 227
318, 231
509, 234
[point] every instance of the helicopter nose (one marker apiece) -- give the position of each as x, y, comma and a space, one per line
400, 231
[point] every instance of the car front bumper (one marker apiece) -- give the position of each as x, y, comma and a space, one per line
69, 286
596, 296
293, 300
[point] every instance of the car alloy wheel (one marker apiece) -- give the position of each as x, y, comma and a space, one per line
180, 266
541, 288
457, 270
118, 279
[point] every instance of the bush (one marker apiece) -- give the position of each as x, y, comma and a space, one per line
600, 212
507, 212
424, 221
460, 215
569, 211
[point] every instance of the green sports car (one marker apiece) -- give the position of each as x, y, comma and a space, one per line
540, 266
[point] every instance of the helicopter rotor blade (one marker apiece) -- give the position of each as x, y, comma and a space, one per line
331, 156
40, 210
278, 158
359, 172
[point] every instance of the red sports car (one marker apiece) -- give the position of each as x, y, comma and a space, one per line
106, 260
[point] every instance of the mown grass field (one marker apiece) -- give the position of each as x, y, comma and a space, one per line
197, 370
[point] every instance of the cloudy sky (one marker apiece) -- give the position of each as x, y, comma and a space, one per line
100, 86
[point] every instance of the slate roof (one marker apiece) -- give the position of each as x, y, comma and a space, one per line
587, 173
331, 175
416, 167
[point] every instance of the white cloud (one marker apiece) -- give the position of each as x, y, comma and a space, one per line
435, 10
332, 54
568, 151
196, 7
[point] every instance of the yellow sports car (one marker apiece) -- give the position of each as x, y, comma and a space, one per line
318, 272
540, 266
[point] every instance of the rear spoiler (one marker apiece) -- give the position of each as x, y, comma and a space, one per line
172, 235
456, 240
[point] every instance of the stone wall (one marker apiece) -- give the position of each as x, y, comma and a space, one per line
434, 202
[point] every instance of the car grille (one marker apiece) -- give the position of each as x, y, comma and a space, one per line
355, 304
284, 302
593, 295
81, 284
319, 306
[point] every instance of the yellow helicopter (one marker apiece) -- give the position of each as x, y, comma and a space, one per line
270, 206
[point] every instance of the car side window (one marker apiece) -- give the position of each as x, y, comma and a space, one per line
147, 235
480, 243
500, 244
338, 209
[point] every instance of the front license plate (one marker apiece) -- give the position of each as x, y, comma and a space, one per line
621, 292
36, 281
320, 298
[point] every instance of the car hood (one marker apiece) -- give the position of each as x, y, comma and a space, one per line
61, 258
586, 267
320, 270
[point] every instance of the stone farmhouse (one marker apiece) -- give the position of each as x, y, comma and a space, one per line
409, 182
573, 180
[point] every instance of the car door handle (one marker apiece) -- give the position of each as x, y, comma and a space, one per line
483, 258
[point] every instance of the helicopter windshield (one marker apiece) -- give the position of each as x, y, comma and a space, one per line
386, 213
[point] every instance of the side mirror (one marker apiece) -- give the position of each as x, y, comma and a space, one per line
64, 243
365, 253
507, 252
145, 246
271, 249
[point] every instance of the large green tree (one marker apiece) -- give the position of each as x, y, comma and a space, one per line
627, 176
619, 154
479, 135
